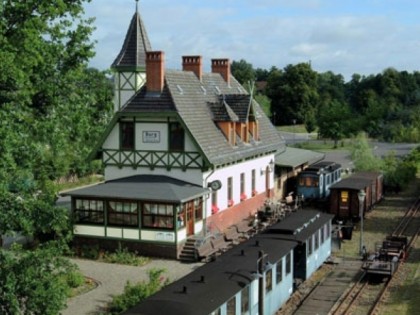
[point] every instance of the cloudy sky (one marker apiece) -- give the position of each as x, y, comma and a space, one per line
344, 36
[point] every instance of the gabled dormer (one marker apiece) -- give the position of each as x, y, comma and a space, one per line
130, 64
235, 117
226, 120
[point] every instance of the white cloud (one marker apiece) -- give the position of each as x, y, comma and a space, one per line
342, 37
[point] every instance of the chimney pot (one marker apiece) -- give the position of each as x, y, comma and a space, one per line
155, 71
194, 64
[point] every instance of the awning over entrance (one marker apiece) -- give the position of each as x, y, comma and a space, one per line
293, 157
143, 187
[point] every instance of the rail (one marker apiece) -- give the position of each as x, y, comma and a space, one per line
408, 216
354, 294
375, 309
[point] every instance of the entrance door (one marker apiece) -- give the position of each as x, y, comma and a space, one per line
190, 218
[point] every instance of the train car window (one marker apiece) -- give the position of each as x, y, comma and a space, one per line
310, 246
316, 240
344, 196
245, 300
231, 306
279, 271
301, 181
288, 264
328, 231
268, 281
323, 234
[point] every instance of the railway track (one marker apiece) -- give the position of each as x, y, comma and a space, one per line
368, 297
411, 213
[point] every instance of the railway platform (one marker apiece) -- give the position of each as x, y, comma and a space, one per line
324, 296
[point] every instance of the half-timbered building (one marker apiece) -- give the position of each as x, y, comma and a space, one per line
186, 153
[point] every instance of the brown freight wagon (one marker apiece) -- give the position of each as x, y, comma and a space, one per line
344, 200
377, 184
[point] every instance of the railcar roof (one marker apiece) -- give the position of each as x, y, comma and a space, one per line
223, 278
317, 167
352, 183
300, 226
367, 175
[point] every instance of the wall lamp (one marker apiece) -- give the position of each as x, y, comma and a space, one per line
269, 168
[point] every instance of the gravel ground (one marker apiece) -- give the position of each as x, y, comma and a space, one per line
112, 279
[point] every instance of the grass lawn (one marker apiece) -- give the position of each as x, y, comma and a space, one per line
292, 128
380, 222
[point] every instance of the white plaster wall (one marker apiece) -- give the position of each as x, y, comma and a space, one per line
89, 230
198, 227
132, 234
161, 129
113, 140
192, 176
189, 145
235, 171
181, 235
160, 236
114, 232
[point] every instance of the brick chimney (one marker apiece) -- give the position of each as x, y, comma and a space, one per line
194, 64
155, 71
221, 66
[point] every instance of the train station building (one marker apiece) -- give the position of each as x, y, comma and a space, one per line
186, 153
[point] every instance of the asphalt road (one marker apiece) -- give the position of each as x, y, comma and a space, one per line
380, 149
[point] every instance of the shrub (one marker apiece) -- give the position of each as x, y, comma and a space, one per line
134, 294
125, 257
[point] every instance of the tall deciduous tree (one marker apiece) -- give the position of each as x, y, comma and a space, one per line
243, 72
293, 92
334, 121
32, 282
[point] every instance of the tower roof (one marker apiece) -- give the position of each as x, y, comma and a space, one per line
136, 44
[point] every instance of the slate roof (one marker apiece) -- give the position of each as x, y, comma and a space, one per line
136, 44
187, 96
223, 278
141, 102
293, 157
143, 187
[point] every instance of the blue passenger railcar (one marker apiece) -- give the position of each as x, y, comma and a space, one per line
311, 230
314, 182
254, 277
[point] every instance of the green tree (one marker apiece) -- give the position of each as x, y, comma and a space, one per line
334, 121
362, 155
293, 92
31, 282
243, 72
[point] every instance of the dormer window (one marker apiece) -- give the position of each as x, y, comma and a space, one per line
127, 135
176, 137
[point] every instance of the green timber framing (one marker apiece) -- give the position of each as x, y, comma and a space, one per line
138, 158
124, 83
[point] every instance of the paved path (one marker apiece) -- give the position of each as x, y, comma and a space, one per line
112, 279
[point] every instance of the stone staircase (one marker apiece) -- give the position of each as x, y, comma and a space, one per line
188, 253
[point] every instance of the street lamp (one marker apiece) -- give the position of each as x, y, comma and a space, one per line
361, 195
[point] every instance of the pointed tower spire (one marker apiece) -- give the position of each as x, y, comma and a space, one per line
136, 44
130, 64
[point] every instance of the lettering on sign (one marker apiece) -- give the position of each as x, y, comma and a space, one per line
151, 136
